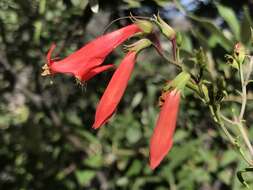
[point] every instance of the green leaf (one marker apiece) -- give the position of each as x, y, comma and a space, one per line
180, 135
94, 161
200, 37
136, 99
161, 3
88, 136
208, 24
179, 154
123, 181
132, 3
84, 176
225, 176
245, 27
230, 17
133, 134
42, 6
135, 168
228, 157
21, 115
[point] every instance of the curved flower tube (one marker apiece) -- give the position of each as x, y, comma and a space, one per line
115, 90
162, 138
93, 72
91, 55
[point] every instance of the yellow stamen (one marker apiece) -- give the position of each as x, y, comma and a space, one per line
45, 71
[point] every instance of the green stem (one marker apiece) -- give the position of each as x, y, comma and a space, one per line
217, 118
179, 66
243, 108
244, 93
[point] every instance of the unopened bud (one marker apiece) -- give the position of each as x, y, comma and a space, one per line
239, 52
179, 39
166, 29
205, 92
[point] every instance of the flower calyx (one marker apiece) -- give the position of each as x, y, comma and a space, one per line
179, 82
166, 29
145, 25
139, 45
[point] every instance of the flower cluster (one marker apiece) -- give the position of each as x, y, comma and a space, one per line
87, 62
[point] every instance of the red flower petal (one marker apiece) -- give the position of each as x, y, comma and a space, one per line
162, 138
114, 90
92, 54
96, 71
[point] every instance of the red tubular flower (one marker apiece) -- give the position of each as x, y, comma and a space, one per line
114, 90
162, 138
96, 71
91, 55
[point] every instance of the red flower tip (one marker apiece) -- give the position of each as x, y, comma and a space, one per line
114, 91
46, 67
162, 138
49, 54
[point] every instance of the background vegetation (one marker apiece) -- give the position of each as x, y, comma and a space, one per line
46, 140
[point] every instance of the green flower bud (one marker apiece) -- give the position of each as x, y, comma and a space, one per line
179, 39
166, 29
239, 53
205, 92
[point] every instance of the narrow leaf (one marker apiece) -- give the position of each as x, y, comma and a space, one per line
208, 25
245, 27
230, 17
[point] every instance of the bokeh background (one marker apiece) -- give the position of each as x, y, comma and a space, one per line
46, 140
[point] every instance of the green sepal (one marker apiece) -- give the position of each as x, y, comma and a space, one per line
145, 25
166, 29
139, 45
179, 82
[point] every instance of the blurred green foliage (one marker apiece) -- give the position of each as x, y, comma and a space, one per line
45, 123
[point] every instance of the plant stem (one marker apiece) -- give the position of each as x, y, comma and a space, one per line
243, 107
244, 94
245, 137
217, 118
179, 66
